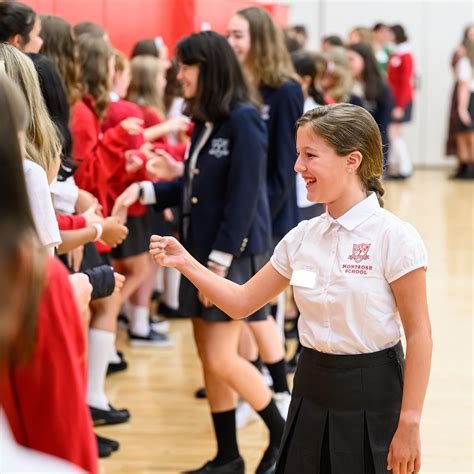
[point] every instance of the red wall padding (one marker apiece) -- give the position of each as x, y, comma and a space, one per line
130, 20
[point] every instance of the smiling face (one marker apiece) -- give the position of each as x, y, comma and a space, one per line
238, 36
322, 169
188, 75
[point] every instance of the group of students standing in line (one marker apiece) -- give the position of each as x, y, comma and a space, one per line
235, 203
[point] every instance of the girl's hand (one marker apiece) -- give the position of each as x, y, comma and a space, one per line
92, 215
178, 124
161, 165
124, 201
167, 251
133, 162
464, 117
84, 201
404, 456
114, 232
132, 125
119, 282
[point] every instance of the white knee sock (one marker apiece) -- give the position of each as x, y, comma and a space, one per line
101, 345
160, 279
404, 161
171, 294
139, 320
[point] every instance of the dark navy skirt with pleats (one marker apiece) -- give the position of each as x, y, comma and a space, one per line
343, 414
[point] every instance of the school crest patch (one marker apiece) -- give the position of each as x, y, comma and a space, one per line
360, 252
219, 147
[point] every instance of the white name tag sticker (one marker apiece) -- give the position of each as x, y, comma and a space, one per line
303, 278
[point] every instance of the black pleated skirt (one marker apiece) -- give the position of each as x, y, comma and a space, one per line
241, 270
343, 414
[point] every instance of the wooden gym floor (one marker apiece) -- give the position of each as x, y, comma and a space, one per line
171, 431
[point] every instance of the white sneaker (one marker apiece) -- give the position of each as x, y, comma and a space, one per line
267, 377
282, 401
244, 415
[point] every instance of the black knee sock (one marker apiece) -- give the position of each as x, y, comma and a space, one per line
257, 363
274, 421
278, 373
224, 427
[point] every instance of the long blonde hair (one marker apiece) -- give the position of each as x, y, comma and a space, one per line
268, 60
349, 128
142, 90
338, 71
43, 146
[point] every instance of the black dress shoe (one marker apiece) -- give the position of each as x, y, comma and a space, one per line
200, 393
104, 449
109, 417
267, 464
117, 366
237, 466
111, 443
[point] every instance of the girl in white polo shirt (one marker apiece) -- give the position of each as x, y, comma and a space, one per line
358, 274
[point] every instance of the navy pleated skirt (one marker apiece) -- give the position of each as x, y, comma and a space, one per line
343, 413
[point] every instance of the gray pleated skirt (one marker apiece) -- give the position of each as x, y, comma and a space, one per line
343, 413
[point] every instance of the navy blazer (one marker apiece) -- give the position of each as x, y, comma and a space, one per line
283, 107
228, 196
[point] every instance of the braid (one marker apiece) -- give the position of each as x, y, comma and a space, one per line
374, 184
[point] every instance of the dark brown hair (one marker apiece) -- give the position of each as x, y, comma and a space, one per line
348, 128
59, 44
221, 83
94, 55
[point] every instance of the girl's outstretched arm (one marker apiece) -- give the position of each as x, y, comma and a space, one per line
237, 301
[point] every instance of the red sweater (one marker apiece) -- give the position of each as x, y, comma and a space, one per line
118, 111
70, 221
44, 399
100, 156
401, 75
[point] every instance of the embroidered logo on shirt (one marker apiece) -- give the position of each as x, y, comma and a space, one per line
360, 252
219, 147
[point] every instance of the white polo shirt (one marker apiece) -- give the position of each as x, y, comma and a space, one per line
341, 270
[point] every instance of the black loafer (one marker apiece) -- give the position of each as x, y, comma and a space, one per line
117, 366
109, 417
237, 466
103, 449
114, 445
267, 464
200, 393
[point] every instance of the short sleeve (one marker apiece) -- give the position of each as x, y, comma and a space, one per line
404, 251
41, 204
464, 70
286, 248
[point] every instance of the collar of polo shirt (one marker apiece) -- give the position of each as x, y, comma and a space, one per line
356, 215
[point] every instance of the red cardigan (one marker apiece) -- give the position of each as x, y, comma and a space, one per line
100, 156
401, 75
70, 221
118, 111
45, 398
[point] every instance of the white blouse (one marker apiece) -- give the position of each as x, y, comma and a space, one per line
341, 270
41, 205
